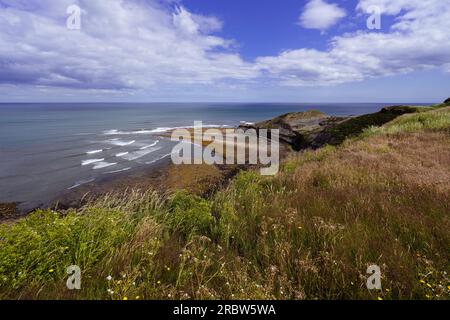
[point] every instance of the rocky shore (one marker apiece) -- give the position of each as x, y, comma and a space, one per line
314, 129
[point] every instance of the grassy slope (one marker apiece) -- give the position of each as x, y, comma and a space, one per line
310, 232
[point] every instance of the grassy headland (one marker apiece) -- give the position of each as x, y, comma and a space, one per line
381, 197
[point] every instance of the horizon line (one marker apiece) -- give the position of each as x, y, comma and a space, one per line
211, 102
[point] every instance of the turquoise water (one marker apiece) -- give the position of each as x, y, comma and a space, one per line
47, 148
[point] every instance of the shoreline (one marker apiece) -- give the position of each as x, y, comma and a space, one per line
298, 131
162, 176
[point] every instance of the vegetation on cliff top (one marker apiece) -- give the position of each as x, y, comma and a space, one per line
310, 232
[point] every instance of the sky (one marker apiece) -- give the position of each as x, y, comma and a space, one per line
224, 50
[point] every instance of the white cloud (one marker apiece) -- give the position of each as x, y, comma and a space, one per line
122, 45
418, 40
133, 46
321, 15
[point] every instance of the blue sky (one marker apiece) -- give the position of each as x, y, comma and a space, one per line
225, 50
273, 27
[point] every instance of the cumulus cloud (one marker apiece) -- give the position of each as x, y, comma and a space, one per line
320, 15
136, 45
121, 45
418, 40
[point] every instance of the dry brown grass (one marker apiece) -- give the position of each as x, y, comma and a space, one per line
197, 179
382, 200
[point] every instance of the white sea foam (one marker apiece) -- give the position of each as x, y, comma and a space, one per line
117, 171
94, 151
245, 123
121, 154
120, 143
139, 154
117, 132
157, 130
150, 145
104, 164
79, 183
203, 126
110, 132
160, 158
87, 162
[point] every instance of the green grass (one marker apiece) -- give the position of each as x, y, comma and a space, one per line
436, 119
308, 233
356, 125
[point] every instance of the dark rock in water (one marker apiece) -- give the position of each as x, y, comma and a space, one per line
447, 101
314, 129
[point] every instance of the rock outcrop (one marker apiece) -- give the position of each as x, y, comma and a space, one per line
292, 126
313, 129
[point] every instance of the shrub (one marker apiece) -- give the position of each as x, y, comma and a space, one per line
189, 214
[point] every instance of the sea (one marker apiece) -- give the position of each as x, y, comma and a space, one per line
46, 148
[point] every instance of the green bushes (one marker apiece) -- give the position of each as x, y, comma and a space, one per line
42, 246
189, 214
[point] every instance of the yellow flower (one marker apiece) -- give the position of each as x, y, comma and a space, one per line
422, 281
380, 298
125, 298
158, 282
51, 270
137, 297
448, 287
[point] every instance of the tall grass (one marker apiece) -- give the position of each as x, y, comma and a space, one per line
309, 232
438, 119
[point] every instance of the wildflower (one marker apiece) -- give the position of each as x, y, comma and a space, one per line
51, 270
134, 283
137, 297
380, 298
158, 282
422, 281
125, 298
448, 287
110, 291
124, 276
109, 278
